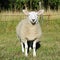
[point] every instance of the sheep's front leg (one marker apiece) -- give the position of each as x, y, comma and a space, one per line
22, 47
34, 48
26, 49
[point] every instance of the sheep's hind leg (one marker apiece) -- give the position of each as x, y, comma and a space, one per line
26, 49
34, 48
22, 47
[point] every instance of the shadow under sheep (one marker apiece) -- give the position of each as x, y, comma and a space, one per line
30, 44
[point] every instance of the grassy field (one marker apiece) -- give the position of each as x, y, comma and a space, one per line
10, 48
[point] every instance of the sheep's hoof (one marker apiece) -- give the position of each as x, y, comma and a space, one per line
26, 55
34, 54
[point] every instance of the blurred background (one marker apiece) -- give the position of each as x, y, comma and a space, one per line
11, 14
18, 5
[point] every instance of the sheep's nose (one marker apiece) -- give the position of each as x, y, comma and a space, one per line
33, 19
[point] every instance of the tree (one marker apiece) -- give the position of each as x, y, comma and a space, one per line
4, 4
12, 4
54, 4
31, 4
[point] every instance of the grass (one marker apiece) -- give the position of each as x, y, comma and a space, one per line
10, 48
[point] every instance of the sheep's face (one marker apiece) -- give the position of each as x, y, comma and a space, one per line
33, 18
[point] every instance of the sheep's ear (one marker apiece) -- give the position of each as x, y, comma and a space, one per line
25, 12
40, 12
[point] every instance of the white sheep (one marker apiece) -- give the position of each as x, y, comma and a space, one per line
29, 30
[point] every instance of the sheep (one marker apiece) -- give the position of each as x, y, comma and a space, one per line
29, 30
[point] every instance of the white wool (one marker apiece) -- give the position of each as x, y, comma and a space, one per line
25, 30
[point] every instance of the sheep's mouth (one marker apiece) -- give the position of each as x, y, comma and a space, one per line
33, 23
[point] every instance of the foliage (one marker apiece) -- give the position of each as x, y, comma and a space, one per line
54, 4
31, 4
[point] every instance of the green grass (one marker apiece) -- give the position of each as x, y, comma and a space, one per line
10, 48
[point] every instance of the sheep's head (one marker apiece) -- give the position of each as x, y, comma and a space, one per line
33, 16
